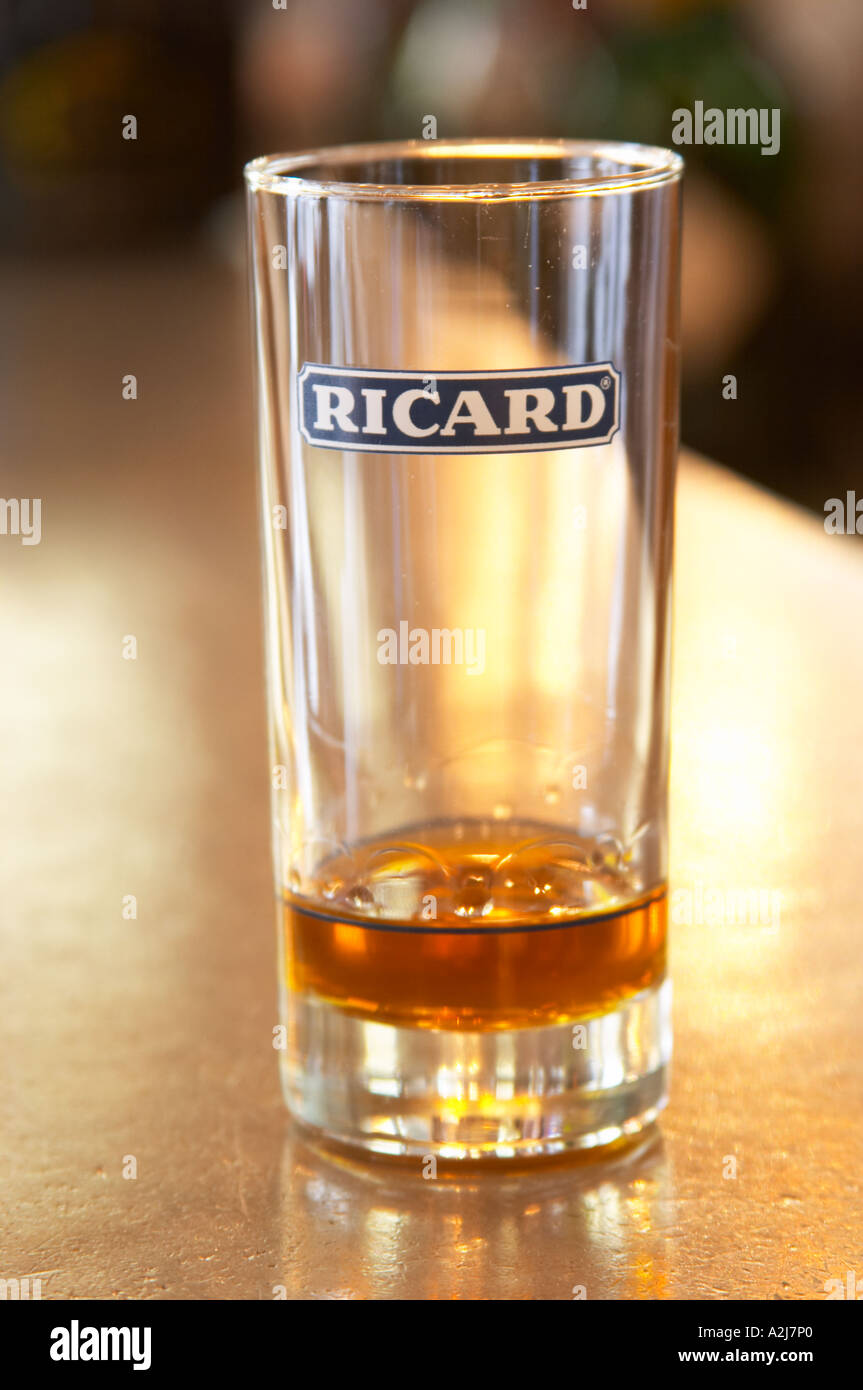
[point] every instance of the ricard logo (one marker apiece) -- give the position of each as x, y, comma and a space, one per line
458, 412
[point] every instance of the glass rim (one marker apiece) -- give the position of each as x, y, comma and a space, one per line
284, 173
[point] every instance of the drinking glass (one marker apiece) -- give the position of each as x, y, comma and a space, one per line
467, 384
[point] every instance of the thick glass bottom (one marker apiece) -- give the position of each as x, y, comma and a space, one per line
423, 1092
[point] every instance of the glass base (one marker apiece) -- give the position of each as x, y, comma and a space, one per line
451, 1095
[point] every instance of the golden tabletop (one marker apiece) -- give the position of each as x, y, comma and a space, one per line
145, 1151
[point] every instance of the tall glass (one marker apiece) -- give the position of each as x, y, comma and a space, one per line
467, 375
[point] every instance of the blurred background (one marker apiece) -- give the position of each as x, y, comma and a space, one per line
773, 277
151, 1034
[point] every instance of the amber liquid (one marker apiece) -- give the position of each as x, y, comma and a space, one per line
475, 927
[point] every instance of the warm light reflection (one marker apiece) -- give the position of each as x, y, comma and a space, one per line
464, 1234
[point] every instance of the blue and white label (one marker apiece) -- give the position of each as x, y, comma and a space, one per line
458, 412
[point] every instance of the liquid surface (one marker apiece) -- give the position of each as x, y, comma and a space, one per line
475, 927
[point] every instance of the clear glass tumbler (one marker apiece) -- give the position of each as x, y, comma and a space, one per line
467, 376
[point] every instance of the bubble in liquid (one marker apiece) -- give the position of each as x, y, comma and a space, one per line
551, 794
557, 887
472, 897
360, 899
295, 883
332, 887
547, 885
501, 811
607, 854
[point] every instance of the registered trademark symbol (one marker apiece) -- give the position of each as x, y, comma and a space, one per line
605, 383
